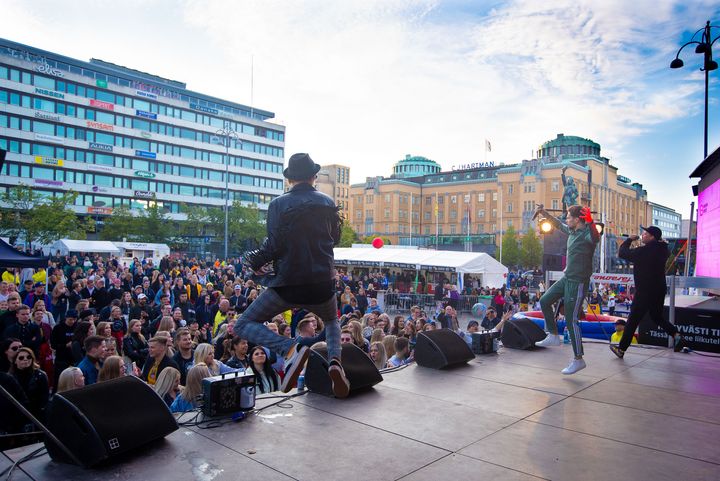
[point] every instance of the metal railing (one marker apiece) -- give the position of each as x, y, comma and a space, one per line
394, 302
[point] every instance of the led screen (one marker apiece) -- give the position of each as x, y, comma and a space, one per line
708, 232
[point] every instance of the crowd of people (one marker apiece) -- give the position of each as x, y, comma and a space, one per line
91, 319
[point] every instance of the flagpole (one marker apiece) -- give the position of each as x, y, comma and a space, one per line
437, 223
411, 218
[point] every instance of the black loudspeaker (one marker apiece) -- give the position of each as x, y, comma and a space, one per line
441, 348
359, 370
101, 421
521, 334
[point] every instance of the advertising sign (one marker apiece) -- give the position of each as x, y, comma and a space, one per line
145, 154
102, 105
144, 174
48, 161
100, 126
100, 147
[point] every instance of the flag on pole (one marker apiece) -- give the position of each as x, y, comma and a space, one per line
488, 147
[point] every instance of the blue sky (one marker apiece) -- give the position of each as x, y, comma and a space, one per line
363, 83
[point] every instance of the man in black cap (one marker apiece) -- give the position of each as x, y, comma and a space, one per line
303, 226
650, 287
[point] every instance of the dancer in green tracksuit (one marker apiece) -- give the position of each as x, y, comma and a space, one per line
582, 240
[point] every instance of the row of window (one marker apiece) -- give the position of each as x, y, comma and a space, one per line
369, 229
103, 136
32, 78
110, 118
152, 166
109, 141
40, 174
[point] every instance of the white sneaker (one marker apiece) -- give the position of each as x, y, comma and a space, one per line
575, 366
550, 340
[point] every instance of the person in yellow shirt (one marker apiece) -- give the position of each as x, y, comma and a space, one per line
11, 277
619, 329
40, 275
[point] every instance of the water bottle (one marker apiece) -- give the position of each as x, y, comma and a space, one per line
566, 336
301, 383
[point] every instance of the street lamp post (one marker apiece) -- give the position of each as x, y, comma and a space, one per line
227, 132
704, 46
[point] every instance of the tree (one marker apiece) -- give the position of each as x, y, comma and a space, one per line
38, 217
348, 237
246, 229
122, 224
532, 251
510, 248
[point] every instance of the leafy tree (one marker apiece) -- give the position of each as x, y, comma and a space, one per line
510, 248
38, 217
532, 251
348, 237
122, 224
246, 228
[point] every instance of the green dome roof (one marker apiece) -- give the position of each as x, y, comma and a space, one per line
415, 166
569, 145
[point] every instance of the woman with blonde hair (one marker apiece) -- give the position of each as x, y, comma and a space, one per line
104, 329
377, 336
70, 378
205, 354
355, 329
378, 355
167, 385
389, 343
188, 399
113, 367
166, 324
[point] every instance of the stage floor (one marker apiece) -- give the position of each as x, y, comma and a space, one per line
511, 416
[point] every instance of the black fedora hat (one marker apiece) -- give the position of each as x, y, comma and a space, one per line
301, 167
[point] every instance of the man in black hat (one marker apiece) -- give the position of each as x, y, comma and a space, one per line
650, 287
303, 226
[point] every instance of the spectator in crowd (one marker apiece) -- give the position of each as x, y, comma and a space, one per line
377, 336
91, 363
47, 318
205, 353
368, 325
10, 348
472, 327
378, 355
355, 329
362, 301
28, 332
346, 336
189, 397
104, 329
373, 306
184, 352
82, 331
239, 358
267, 379
70, 378
448, 318
402, 353
37, 294
9, 317
168, 385
113, 367
389, 343
32, 380
491, 320
620, 325
135, 347
410, 333
157, 360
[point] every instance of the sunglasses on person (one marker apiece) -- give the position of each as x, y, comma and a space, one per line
24, 358
14, 348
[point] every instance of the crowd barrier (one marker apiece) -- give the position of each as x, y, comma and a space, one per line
393, 302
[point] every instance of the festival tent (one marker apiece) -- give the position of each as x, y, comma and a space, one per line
492, 273
11, 257
65, 246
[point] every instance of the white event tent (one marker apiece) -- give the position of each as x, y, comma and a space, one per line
492, 273
65, 246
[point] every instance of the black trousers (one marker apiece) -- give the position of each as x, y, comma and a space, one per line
651, 302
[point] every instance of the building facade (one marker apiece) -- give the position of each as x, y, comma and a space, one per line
669, 221
118, 136
470, 206
334, 180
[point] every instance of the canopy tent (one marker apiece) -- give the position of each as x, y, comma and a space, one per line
143, 249
65, 246
11, 257
493, 273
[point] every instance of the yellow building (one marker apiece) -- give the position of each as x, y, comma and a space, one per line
334, 180
470, 206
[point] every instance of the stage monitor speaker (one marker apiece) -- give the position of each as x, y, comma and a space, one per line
441, 348
521, 334
359, 370
101, 421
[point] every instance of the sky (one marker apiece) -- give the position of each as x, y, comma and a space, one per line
364, 82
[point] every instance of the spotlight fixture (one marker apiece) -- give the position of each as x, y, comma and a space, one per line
545, 226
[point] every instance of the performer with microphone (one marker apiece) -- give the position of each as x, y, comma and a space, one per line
583, 237
650, 286
303, 225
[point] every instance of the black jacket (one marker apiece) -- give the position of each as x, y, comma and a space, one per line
303, 226
648, 265
165, 362
61, 335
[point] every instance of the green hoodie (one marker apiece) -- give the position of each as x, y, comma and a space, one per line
580, 250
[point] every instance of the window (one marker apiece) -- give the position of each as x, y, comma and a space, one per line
387, 198
495, 196
440, 199
426, 216
510, 188
481, 214
386, 214
453, 214
510, 207
481, 197
466, 198
453, 199
358, 214
555, 204
453, 229
555, 186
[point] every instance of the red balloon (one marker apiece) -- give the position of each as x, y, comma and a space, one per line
377, 243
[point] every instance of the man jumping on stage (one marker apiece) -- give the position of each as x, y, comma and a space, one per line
650, 286
303, 226
583, 237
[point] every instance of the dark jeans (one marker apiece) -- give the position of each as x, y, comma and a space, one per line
642, 304
268, 305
